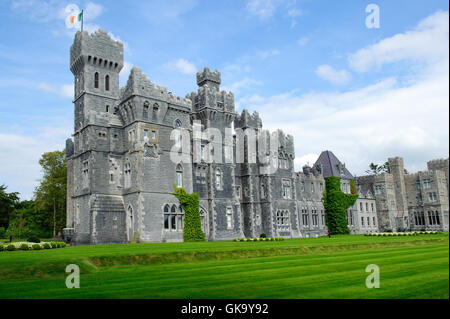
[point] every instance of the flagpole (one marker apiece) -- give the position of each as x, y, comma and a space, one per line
82, 18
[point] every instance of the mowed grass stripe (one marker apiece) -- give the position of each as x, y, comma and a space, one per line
280, 277
53, 262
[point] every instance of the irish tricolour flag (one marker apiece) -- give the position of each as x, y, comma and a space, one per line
76, 18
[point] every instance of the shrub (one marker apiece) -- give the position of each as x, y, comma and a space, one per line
2, 232
263, 235
1, 247
54, 245
24, 247
33, 239
36, 247
46, 246
336, 203
255, 239
272, 239
192, 224
10, 247
241, 239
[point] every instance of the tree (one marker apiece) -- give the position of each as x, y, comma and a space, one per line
336, 203
26, 221
7, 204
377, 169
50, 195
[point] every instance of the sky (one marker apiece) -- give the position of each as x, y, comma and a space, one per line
312, 68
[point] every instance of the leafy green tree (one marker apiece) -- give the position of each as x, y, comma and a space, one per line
7, 204
26, 221
377, 169
50, 195
336, 203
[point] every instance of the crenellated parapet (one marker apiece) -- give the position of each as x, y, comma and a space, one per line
286, 143
98, 49
139, 84
247, 120
208, 78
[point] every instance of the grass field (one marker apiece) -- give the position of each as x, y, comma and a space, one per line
410, 267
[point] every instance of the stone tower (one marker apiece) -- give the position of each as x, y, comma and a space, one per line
94, 207
397, 170
213, 110
95, 61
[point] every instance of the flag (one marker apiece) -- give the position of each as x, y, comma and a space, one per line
79, 17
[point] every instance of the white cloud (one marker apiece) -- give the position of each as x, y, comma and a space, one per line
19, 155
327, 72
237, 87
125, 72
65, 90
307, 159
92, 11
183, 66
427, 43
302, 41
268, 53
263, 8
406, 116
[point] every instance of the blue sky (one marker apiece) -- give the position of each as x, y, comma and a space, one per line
312, 68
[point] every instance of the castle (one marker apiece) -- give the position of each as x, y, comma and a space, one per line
131, 145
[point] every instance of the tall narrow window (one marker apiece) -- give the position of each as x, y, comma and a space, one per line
96, 80
218, 179
145, 111
179, 176
107, 83
166, 217
229, 218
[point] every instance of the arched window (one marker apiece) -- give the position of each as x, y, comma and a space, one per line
173, 220
96, 80
166, 217
107, 83
145, 111
179, 175
218, 178
203, 220
155, 112
177, 133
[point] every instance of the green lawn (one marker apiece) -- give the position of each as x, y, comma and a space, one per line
410, 267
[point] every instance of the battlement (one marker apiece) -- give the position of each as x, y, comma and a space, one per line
208, 78
246, 120
441, 163
97, 48
139, 84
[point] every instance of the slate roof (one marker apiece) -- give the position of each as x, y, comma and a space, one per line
330, 166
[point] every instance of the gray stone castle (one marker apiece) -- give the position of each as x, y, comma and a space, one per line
121, 168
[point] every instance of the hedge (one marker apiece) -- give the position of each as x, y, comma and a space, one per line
36, 246
255, 239
413, 233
